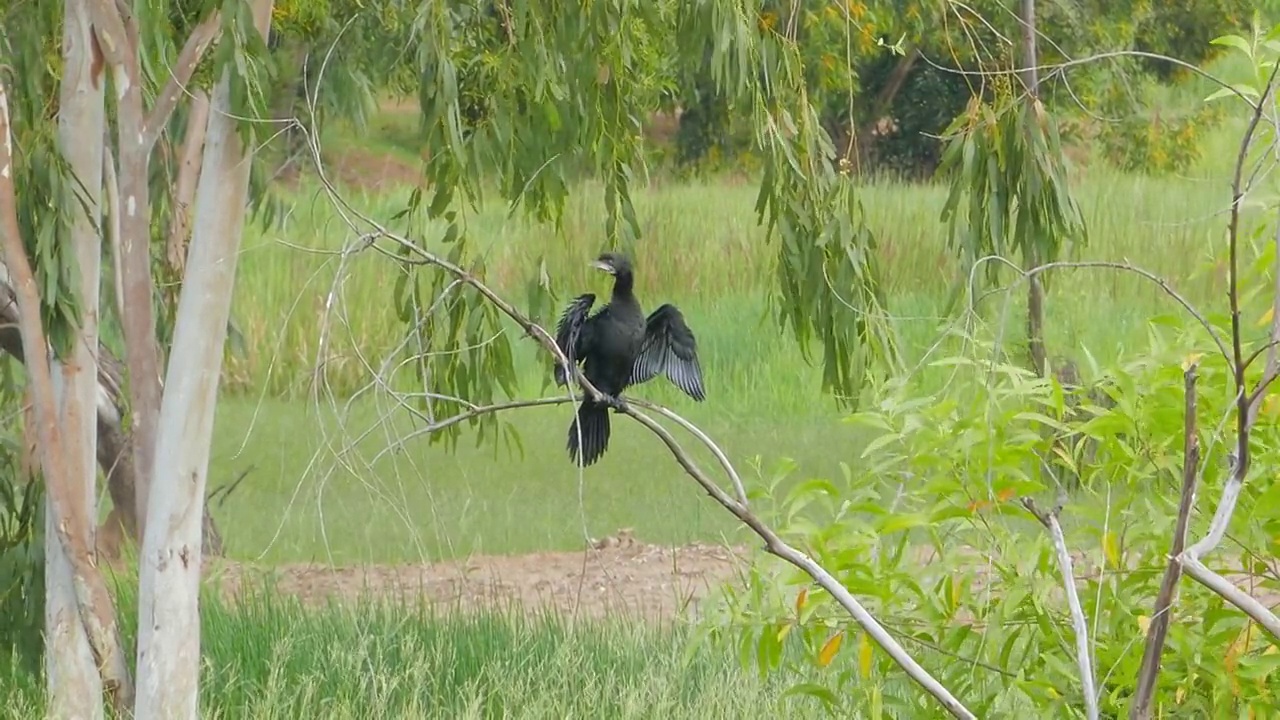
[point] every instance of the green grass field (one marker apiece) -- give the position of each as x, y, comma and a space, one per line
267, 658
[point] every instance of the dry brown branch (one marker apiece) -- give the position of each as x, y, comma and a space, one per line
93, 600
1160, 616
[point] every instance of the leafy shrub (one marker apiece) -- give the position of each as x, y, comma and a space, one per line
929, 532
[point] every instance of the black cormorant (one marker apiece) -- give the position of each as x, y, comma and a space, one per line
619, 347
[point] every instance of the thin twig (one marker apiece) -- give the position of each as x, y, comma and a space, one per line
1054, 68
738, 486
1124, 267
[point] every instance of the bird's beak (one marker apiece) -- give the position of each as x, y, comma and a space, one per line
599, 265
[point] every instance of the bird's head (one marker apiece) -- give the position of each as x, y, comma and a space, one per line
613, 263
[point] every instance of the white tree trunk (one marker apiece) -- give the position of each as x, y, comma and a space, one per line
74, 683
169, 618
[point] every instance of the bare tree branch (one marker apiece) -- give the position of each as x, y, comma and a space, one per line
1057, 68
1160, 616
1125, 267
116, 30
112, 226
1078, 622
1250, 605
776, 546
773, 544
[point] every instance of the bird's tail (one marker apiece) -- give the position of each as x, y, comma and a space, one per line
593, 418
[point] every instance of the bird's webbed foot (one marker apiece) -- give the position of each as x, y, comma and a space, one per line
616, 402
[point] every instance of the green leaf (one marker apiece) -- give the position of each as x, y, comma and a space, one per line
1236, 42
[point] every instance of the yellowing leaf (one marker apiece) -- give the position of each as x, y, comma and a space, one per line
864, 656
801, 599
1111, 548
1234, 650
1144, 622
829, 649
784, 631
1271, 406
1179, 694
1192, 359
1267, 316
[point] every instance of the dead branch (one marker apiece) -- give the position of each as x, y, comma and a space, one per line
1078, 622
225, 490
93, 599
1160, 616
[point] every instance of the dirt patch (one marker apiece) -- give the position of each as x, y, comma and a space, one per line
620, 575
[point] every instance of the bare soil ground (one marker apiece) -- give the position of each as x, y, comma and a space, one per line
619, 575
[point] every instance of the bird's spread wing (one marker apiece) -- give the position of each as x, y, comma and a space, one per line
669, 348
572, 332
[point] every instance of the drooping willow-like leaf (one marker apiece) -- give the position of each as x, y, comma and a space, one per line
1009, 190
543, 90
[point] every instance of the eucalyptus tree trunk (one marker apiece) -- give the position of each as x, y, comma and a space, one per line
169, 618
74, 684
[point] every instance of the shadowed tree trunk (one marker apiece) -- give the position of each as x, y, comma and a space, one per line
115, 446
